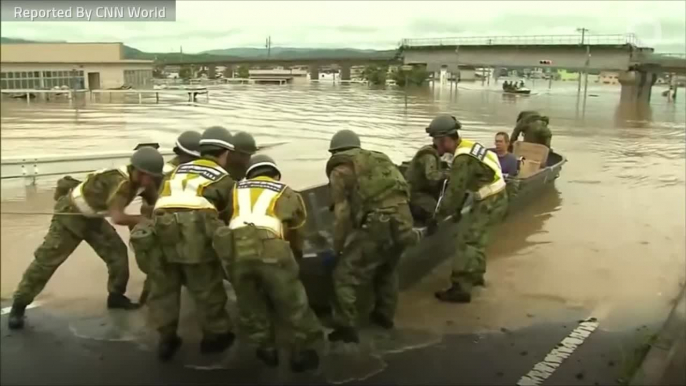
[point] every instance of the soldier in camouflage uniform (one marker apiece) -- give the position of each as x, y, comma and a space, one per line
372, 227
534, 127
187, 149
260, 249
80, 215
239, 158
425, 176
192, 203
475, 170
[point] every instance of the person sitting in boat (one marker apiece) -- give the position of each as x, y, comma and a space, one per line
508, 162
80, 216
521, 84
474, 170
506, 85
534, 127
425, 175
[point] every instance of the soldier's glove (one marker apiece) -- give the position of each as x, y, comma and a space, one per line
447, 160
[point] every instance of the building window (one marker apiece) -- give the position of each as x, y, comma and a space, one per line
42, 80
138, 78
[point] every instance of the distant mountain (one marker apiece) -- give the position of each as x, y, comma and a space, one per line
5, 40
297, 52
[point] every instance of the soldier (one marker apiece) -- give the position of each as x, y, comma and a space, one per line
372, 227
534, 127
239, 158
187, 149
475, 170
260, 249
425, 176
80, 215
179, 251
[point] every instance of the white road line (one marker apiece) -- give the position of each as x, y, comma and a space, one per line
6, 310
544, 369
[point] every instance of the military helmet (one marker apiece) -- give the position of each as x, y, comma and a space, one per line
261, 162
244, 143
443, 125
526, 114
344, 139
216, 137
148, 160
188, 143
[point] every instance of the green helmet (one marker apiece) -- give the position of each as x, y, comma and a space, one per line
526, 114
215, 138
260, 163
443, 125
188, 143
244, 143
344, 139
148, 160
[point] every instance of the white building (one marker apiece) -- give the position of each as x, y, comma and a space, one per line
75, 65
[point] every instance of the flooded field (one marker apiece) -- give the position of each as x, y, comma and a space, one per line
608, 242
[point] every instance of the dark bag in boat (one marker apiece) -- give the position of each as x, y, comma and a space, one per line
64, 186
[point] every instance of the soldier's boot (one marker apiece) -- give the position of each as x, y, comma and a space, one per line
16, 318
211, 344
270, 356
304, 360
168, 346
381, 320
119, 301
454, 294
345, 334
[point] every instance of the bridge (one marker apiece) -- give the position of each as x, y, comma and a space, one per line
313, 63
638, 65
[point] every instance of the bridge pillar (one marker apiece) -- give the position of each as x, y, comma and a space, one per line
228, 71
345, 72
314, 72
211, 72
636, 86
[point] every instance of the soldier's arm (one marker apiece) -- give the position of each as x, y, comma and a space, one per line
455, 192
221, 195
342, 224
432, 171
117, 203
295, 234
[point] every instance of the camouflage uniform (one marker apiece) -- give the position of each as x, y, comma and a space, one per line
261, 262
535, 129
425, 176
372, 227
468, 174
177, 246
100, 191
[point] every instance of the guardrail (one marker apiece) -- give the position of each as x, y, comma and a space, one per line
618, 39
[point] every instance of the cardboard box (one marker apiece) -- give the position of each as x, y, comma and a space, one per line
532, 152
528, 168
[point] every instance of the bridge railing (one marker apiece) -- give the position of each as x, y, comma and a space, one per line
619, 39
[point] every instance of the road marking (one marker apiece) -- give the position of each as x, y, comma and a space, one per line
545, 368
7, 310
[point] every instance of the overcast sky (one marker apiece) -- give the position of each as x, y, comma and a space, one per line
205, 25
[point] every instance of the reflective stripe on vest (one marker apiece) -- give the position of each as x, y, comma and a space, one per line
185, 186
79, 200
254, 201
488, 158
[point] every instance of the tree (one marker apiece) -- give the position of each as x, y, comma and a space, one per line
375, 75
416, 76
244, 71
185, 72
158, 72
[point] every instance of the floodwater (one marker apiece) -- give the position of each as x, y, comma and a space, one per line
608, 241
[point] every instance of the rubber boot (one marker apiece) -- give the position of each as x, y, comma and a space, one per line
345, 334
167, 347
381, 320
121, 302
269, 356
454, 294
211, 344
304, 360
16, 317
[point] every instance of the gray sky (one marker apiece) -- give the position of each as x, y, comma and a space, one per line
205, 25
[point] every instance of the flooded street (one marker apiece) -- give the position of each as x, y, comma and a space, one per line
607, 242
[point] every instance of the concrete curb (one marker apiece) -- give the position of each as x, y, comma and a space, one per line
668, 347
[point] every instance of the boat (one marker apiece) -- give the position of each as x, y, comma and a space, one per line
522, 90
417, 261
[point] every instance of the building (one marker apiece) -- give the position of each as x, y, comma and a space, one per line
608, 77
74, 65
568, 76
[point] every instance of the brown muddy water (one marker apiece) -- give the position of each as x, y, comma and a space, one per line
608, 241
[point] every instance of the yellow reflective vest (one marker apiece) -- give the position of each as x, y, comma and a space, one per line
488, 158
254, 201
185, 186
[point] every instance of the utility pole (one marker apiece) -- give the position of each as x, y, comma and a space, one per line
268, 46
